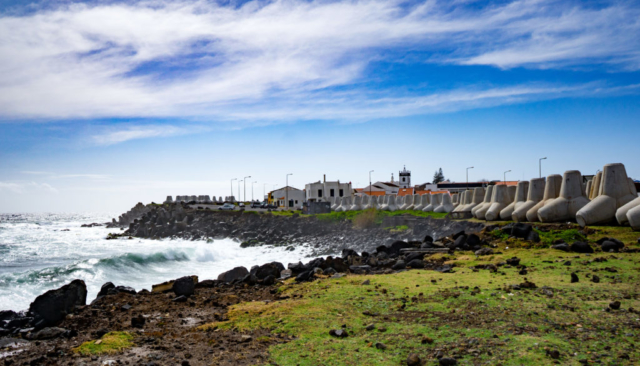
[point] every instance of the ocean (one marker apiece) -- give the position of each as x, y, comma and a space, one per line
40, 252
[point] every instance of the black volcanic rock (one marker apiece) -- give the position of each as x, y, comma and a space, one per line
52, 306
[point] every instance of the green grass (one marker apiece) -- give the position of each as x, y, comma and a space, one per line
511, 327
568, 236
379, 215
398, 229
113, 342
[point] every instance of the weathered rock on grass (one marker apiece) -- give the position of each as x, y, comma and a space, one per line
581, 247
413, 360
338, 333
447, 361
615, 305
574, 278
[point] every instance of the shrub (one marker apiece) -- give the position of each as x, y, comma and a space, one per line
365, 219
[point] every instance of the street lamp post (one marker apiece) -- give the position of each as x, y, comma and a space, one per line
286, 193
505, 177
240, 181
370, 184
468, 177
244, 186
540, 165
232, 185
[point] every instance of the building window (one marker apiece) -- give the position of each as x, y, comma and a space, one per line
332, 192
404, 179
341, 192
296, 202
319, 192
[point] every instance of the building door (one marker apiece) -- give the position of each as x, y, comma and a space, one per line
290, 203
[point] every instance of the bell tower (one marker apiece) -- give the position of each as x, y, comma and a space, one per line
404, 178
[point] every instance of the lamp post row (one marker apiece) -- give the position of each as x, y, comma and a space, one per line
370, 187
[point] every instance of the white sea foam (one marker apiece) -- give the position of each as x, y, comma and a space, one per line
36, 256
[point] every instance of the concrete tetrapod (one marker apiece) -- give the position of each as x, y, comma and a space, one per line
588, 188
382, 202
551, 191
461, 202
337, 204
511, 193
615, 192
595, 186
572, 198
345, 204
169, 199
535, 195
400, 202
416, 202
499, 200
357, 204
445, 205
420, 203
622, 214
522, 189
425, 201
408, 203
366, 202
633, 216
454, 200
474, 198
435, 202
373, 202
480, 210
391, 204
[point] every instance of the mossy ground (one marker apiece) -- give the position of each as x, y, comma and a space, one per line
472, 315
110, 343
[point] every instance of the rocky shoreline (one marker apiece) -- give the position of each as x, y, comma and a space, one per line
253, 228
60, 320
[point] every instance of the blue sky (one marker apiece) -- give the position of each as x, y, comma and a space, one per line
107, 103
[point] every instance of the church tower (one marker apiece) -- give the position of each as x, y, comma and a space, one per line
404, 178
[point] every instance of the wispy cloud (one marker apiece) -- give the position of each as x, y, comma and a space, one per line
26, 187
51, 175
116, 135
202, 59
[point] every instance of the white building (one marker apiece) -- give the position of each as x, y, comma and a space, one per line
386, 187
321, 191
280, 196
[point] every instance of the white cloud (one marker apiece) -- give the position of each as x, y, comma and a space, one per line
116, 135
26, 187
203, 59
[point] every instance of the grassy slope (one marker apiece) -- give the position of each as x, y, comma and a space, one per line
492, 324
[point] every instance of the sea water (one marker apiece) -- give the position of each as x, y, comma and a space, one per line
40, 252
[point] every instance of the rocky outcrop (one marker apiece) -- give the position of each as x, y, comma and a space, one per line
130, 216
252, 229
52, 306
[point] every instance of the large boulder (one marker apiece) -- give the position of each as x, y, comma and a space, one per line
52, 306
581, 247
269, 269
237, 273
184, 286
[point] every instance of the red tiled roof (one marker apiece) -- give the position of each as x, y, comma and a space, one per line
374, 193
508, 183
405, 192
